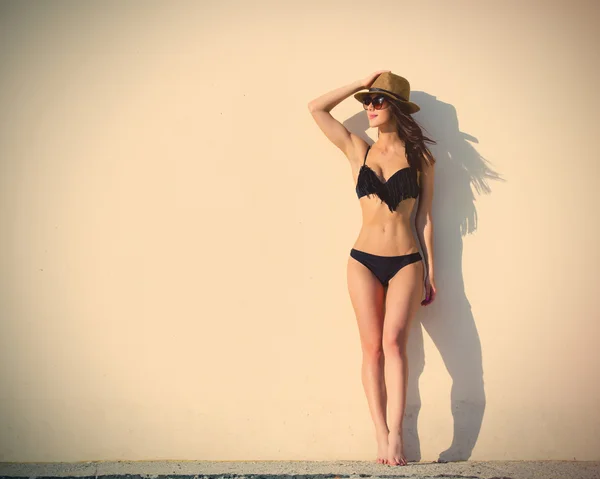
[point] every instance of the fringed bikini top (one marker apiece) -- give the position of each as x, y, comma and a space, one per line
401, 185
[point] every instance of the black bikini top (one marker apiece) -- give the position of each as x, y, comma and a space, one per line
401, 185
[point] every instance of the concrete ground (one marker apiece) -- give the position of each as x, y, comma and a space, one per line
308, 469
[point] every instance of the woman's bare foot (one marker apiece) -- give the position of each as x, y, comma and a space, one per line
395, 450
382, 447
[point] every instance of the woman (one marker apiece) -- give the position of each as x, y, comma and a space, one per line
385, 270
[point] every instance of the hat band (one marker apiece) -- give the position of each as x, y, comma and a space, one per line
387, 91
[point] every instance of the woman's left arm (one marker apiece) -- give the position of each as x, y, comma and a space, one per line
424, 227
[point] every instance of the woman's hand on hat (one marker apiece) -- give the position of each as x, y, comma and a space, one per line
368, 81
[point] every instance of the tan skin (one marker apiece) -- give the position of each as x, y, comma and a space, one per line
384, 314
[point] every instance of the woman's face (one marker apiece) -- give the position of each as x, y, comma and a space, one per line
379, 117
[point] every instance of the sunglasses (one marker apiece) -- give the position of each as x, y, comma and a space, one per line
379, 102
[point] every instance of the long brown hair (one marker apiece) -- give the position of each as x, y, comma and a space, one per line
411, 133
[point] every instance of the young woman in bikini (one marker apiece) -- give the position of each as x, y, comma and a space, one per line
386, 273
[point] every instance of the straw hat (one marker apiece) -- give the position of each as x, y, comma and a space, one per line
394, 86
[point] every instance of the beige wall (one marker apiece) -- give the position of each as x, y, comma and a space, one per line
175, 229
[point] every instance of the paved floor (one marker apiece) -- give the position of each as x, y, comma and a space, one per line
307, 469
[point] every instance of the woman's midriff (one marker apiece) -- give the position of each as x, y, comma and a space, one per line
385, 233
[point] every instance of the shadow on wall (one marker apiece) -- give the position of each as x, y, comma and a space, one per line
448, 320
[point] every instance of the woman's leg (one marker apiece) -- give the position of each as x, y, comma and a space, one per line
367, 297
402, 301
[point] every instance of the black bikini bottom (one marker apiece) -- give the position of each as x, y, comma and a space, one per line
384, 267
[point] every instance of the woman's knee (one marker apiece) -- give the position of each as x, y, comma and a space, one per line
395, 343
372, 349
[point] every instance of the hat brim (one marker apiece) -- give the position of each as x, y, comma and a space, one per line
409, 106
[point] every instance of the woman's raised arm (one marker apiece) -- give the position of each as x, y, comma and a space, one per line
320, 107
